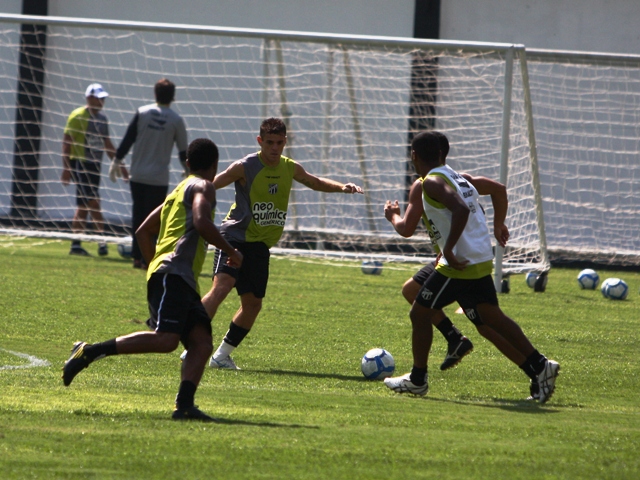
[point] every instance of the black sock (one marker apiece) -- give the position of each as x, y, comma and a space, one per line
186, 394
528, 372
449, 330
235, 335
534, 364
418, 375
98, 350
75, 243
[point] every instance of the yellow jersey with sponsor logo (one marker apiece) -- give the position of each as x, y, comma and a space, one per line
260, 209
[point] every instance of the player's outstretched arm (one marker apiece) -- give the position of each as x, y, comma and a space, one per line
406, 226
500, 201
321, 184
233, 173
204, 196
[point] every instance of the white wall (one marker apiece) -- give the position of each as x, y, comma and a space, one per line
366, 17
586, 25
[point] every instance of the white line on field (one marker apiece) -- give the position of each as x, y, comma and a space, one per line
33, 361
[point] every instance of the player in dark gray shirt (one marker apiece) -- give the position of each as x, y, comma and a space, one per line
152, 132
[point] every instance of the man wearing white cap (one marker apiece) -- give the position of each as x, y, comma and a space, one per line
86, 137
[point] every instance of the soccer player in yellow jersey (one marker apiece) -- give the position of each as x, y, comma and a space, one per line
463, 274
255, 222
183, 225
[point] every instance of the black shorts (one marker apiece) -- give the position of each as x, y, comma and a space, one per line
86, 176
424, 273
253, 275
439, 291
174, 306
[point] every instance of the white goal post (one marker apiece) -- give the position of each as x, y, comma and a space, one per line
351, 103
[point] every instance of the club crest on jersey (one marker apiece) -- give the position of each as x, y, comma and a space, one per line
273, 188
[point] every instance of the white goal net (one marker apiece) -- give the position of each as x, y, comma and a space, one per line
351, 105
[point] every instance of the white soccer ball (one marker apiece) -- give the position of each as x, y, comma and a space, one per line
531, 279
377, 364
125, 250
614, 289
588, 279
372, 267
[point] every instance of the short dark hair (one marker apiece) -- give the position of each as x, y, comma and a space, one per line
273, 125
427, 147
165, 91
444, 145
202, 154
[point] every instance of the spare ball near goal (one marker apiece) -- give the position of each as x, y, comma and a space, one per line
125, 250
372, 267
588, 279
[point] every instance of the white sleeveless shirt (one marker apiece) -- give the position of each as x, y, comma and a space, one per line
474, 244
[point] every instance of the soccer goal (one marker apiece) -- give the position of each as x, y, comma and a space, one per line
351, 103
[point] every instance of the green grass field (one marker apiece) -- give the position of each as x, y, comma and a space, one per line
300, 408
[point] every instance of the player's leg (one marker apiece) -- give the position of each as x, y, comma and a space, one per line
80, 215
536, 366
239, 328
434, 295
92, 194
457, 344
251, 285
199, 347
222, 285
166, 296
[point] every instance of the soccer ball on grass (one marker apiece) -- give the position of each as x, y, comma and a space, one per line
531, 279
614, 289
372, 268
377, 364
588, 279
125, 250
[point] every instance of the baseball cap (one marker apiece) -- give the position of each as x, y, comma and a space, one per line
96, 90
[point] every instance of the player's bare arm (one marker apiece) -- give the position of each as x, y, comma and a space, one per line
204, 196
500, 201
146, 234
406, 226
322, 184
232, 174
109, 148
436, 188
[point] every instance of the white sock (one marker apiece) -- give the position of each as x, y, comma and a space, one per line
223, 351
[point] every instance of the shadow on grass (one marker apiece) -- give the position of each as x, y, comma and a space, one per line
524, 406
128, 416
230, 421
351, 378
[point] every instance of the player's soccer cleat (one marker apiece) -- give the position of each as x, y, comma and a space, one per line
103, 250
226, 363
75, 364
403, 384
547, 380
191, 413
455, 353
534, 391
78, 250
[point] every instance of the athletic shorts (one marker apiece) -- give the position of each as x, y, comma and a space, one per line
439, 291
424, 273
253, 275
86, 176
174, 307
